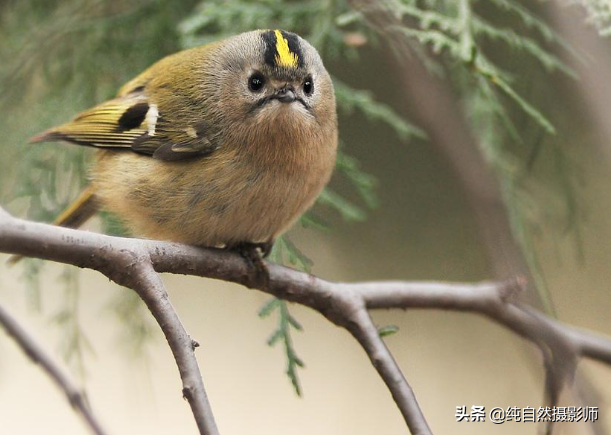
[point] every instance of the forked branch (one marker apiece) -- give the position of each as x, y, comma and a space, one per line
136, 263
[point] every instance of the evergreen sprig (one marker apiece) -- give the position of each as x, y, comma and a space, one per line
286, 322
456, 30
285, 252
465, 36
599, 13
351, 100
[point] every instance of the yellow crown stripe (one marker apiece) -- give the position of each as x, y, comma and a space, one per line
284, 55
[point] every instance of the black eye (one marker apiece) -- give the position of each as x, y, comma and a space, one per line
308, 86
256, 82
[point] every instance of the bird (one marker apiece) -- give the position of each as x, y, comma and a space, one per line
223, 145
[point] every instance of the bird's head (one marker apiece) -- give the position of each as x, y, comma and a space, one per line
271, 79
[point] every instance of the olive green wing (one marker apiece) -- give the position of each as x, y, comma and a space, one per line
133, 122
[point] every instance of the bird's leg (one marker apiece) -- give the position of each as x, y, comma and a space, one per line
254, 253
266, 247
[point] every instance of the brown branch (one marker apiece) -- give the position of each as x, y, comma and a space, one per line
38, 355
127, 262
147, 283
344, 304
363, 329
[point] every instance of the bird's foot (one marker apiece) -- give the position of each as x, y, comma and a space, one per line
254, 253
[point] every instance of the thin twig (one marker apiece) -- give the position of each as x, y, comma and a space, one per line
366, 333
63, 381
150, 288
128, 264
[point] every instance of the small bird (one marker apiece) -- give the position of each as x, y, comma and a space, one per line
222, 145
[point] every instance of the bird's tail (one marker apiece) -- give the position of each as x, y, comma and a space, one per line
75, 215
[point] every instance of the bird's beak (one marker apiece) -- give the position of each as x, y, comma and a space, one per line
285, 94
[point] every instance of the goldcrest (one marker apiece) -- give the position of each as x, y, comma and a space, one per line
218, 145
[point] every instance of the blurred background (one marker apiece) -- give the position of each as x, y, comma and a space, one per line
474, 146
